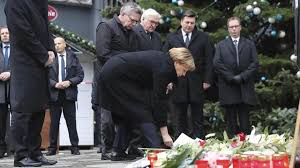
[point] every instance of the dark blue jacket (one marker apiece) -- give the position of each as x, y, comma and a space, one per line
74, 74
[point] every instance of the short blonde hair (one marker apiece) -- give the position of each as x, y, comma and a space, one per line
183, 56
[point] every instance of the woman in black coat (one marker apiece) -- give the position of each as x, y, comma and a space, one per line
126, 82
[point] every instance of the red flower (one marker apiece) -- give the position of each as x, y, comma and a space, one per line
202, 143
242, 136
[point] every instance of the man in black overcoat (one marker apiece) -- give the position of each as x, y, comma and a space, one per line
114, 37
31, 54
189, 90
147, 37
64, 75
236, 64
4, 87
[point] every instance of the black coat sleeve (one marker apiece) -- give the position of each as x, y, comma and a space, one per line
160, 99
253, 66
103, 42
208, 62
220, 67
78, 77
20, 24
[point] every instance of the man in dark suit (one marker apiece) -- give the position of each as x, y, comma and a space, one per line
147, 37
4, 87
64, 75
189, 90
31, 53
114, 37
236, 63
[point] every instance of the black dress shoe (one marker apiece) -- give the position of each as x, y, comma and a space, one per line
105, 156
44, 160
75, 151
51, 152
2, 154
27, 162
115, 156
136, 152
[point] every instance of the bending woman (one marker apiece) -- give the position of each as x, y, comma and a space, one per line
133, 87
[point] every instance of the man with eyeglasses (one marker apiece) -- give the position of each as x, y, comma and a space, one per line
236, 64
148, 38
114, 37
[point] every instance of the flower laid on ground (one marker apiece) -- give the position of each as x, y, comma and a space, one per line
213, 149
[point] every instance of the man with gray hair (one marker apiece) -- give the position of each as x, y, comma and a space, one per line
114, 37
148, 38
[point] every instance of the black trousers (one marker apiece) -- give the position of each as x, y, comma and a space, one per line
148, 130
196, 119
4, 122
26, 134
69, 112
97, 127
237, 119
107, 131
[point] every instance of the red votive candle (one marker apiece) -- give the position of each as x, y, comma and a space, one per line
285, 157
201, 164
235, 160
277, 161
263, 162
245, 162
152, 157
223, 163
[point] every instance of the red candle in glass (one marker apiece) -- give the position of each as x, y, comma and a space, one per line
254, 161
235, 160
263, 162
277, 161
223, 163
152, 157
201, 164
245, 162
285, 157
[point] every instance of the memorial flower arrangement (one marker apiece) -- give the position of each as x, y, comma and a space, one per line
188, 151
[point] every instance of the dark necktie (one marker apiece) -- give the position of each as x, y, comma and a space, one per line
149, 35
235, 42
187, 40
6, 56
62, 67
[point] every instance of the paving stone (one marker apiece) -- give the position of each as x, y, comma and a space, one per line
87, 159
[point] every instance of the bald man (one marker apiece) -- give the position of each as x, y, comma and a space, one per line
64, 75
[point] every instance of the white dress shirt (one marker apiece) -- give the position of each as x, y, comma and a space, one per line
59, 63
184, 35
3, 49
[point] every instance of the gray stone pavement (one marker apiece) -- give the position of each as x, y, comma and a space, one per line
87, 159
